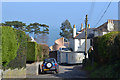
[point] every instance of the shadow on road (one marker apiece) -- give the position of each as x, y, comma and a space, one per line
48, 72
75, 72
69, 64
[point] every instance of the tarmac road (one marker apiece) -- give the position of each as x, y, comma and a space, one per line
65, 71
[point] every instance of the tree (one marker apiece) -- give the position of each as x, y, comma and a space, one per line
66, 30
15, 24
43, 37
37, 29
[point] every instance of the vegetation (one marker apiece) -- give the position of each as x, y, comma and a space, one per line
36, 52
0, 47
15, 24
31, 51
66, 30
13, 47
9, 45
106, 57
37, 28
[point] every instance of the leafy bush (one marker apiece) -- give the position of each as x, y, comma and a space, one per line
13, 47
36, 52
0, 47
39, 54
31, 51
20, 59
106, 56
9, 45
106, 71
104, 48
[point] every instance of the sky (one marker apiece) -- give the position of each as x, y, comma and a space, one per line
54, 13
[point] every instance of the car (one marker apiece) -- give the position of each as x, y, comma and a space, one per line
50, 64
65, 49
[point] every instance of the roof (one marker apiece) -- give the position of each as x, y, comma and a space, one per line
103, 27
90, 34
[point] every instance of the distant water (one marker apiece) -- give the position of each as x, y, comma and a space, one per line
53, 35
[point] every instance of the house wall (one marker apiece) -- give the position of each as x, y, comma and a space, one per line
99, 33
96, 33
71, 44
80, 44
104, 33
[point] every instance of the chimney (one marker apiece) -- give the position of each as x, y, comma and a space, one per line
88, 25
81, 26
109, 21
110, 25
112, 21
74, 30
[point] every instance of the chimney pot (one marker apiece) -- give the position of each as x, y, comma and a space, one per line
88, 25
112, 21
81, 26
74, 31
74, 26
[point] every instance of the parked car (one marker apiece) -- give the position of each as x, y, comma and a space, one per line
50, 64
65, 49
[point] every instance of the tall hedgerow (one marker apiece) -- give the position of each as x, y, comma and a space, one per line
31, 51
9, 45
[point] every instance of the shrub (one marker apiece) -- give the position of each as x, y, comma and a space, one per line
39, 54
104, 48
9, 45
20, 59
106, 56
31, 51
0, 47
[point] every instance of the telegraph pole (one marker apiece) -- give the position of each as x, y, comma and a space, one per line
86, 20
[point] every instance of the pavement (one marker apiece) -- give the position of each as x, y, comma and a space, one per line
65, 71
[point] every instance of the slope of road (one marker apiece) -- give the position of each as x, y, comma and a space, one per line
68, 71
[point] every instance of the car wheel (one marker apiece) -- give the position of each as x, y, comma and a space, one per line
57, 71
39, 69
44, 72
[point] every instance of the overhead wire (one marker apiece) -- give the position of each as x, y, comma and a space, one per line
103, 13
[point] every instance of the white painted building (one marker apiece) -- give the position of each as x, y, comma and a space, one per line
77, 42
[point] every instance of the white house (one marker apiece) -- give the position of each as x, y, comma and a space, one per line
77, 42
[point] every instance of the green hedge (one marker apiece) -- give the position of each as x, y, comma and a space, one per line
31, 51
0, 48
14, 46
106, 57
36, 52
106, 48
20, 59
40, 53
9, 45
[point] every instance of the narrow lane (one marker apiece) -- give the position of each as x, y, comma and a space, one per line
68, 71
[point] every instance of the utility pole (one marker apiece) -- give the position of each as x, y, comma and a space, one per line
86, 20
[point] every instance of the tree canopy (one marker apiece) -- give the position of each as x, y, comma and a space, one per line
15, 24
37, 28
66, 30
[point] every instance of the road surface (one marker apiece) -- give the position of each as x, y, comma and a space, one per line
65, 71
